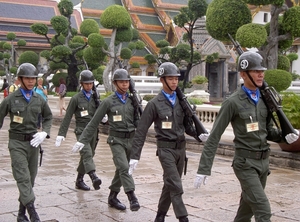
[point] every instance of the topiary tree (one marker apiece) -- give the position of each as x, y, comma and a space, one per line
68, 49
29, 56
278, 78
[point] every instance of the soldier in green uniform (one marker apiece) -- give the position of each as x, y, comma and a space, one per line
170, 124
248, 115
24, 106
83, 105
122, 119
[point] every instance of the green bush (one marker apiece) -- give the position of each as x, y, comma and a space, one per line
279, 79
148, 97
199, 79
195, 101
290, 107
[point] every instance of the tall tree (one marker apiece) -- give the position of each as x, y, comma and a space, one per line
234, 16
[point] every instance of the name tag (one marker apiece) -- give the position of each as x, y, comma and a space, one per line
251, 127
166, 125
84, 113
18, 119
117, 118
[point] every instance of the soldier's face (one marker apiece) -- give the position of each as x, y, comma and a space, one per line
171, 81
28, 82
122, 86
87, 86
256, 75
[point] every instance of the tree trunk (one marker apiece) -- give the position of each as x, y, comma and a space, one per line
72, 80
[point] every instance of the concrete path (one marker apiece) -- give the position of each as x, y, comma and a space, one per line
58, 200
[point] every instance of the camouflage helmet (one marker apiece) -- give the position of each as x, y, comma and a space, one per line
121, 74
250, 61
86, 76
27, 70
168, 69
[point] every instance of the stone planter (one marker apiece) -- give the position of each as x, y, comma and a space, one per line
294, 147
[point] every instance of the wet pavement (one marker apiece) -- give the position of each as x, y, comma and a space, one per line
58, 200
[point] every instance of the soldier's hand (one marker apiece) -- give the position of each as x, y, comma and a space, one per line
203, 136
104, 119
292, 137
132, 165
200, 178
38, 138
58, 141
77, 147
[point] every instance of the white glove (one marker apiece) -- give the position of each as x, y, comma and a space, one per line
292, 137
38, 138
200, 178
58, 141
132, 165
77, 147
203, 136
104, 119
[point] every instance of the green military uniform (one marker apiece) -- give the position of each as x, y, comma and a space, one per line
170, 124
122, 124
251, 162
83, 110
24, 158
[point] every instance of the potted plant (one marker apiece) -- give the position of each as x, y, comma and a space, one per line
199, 83
290, 107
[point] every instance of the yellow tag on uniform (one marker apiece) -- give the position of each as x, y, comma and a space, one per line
18, 119
251, 127
117, 118
84, 113
166, 125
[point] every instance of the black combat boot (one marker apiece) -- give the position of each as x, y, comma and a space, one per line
96, 181
34, 217
134, 204
183, 219
160, 216
114, 202
80, 184
21, 214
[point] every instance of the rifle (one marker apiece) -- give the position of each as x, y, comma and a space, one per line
272, 100
96, 95
189, 111
41, 155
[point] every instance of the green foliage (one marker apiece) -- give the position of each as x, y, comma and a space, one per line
124, 35
150, 59
188, 84
283, 63
11, 36
105, 95
295, 76
1, 55
140, 44
195, 101
61, 51
45, 54
115, 17
60, 24
57, 65
182, 51
98, 74
226, 16
57, 76
292, 56
6, 55
7, 46
39, 28
135, 65
199, 79
131, 46
211, 58
57, 40
29, 56
77, 39
13, 70
148, 97
2, 73
21, 42
135, 34
65, 8
291, 21
251, 35
96, 40
279, 79
162, 43
290, 107
89, 26
264, 2
126, 53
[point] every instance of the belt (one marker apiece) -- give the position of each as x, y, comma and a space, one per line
257, 155
122, 134
170, 144
21, 137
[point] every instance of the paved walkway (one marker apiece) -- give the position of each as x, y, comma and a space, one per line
58, 200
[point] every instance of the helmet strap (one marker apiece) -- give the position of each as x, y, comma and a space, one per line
122, 91
250, 77
164, 78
